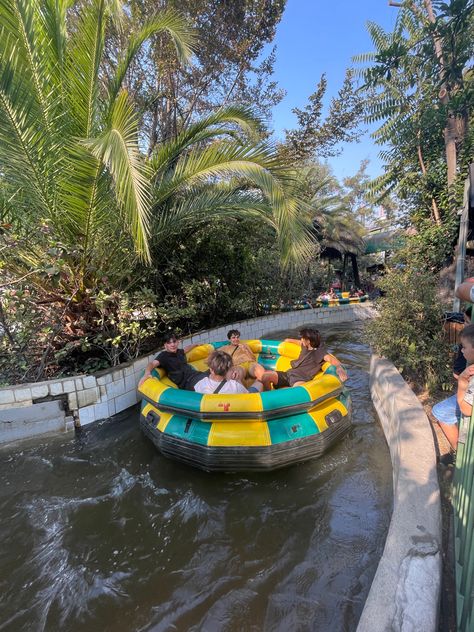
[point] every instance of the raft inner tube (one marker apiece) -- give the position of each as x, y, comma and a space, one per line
272, 354
254, 431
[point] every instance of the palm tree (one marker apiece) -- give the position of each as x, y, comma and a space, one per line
334, 225
71, 163
70, 159
217, 167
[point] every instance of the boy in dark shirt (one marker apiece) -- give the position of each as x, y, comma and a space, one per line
173, 361
304, 368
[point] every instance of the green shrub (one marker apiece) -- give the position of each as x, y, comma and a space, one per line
409, 331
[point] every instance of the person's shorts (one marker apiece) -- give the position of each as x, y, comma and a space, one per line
247, 366
193, 379
447, 411
282, 380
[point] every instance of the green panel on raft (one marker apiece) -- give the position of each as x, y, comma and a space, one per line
331, 370
344, 398
218, 345
189, 429
283, 397
268, 362
181, 399
293, 427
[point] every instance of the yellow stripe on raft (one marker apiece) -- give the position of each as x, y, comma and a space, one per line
200, 365
255, 345
249, 433
321, 385
232, 403
200, 352
154, 389
289, 349
318, 413
164, 417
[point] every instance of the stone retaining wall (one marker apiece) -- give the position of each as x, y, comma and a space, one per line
88, 398
404, 595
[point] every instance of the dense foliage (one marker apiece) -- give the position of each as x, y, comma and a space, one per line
139, 189
88, 221
409, 329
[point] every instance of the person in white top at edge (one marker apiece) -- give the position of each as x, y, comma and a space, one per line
220, 364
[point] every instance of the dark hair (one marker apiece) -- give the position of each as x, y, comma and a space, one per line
468, 311
220, 362
312, 335
468, 334
233, 332
170, 336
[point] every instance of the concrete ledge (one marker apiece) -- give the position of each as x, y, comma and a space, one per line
405, 592
29, 421
89, 398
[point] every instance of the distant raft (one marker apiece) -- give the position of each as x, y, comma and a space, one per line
343, 299
250, 431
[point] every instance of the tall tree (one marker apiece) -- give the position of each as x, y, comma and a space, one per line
315, 137
418, 84
70, 155
227, 67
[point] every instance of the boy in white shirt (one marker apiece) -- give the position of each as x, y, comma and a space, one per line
219, 365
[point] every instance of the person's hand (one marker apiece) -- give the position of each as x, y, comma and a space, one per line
467, 373
144, 378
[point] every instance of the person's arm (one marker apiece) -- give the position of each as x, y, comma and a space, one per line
464, 389
340, 370
148, 369
465, 290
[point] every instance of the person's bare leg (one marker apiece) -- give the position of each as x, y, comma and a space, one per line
256, 371
451, 433
268, 379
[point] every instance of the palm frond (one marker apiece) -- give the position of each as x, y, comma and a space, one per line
205, 129
169, 21
82, 69
117, 148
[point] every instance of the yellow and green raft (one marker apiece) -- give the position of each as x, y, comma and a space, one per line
251, 431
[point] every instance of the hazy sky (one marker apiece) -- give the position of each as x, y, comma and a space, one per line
316, 36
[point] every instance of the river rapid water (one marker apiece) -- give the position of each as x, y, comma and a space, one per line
99, 532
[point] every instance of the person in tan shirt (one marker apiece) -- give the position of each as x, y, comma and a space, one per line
244, 362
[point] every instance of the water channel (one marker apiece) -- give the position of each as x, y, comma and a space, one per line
99, 532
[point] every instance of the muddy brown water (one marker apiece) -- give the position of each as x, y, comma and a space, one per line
100, 532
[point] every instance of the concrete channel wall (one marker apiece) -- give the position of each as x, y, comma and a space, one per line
404, 596
58, 405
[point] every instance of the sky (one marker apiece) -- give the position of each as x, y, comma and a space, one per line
316, 36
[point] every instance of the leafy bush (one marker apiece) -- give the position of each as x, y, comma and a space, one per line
42, 337
409, 328
432, 247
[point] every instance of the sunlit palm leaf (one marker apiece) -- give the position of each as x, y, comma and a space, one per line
169, 21
117, 148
